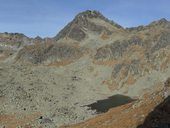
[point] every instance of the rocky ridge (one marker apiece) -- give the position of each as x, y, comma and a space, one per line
79, 27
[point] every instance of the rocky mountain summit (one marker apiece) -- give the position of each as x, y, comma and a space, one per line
85, 22
53, 82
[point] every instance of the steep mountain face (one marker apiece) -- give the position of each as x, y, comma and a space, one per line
85, 23
53, 81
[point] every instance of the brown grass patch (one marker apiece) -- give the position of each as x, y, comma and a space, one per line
16, 120
130, 80
104, 36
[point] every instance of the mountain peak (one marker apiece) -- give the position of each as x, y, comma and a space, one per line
83, 17
86, 21
162, 21
90, 14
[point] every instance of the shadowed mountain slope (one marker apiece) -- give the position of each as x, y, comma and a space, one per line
160, 116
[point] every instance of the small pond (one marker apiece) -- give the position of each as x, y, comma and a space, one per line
102, 106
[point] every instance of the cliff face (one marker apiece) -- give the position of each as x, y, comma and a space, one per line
55, 79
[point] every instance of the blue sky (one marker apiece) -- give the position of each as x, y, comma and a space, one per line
47, 17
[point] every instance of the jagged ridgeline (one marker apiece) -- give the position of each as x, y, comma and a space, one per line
87, 28
62, 48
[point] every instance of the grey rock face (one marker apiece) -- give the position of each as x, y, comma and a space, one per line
96, 14
13, 39
10, 43
132, 68
138, 55
117, 48
162, 42
37, 54
77, 34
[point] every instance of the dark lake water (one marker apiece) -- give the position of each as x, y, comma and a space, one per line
113, 101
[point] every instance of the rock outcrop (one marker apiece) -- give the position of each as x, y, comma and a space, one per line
49, 53
10, 43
